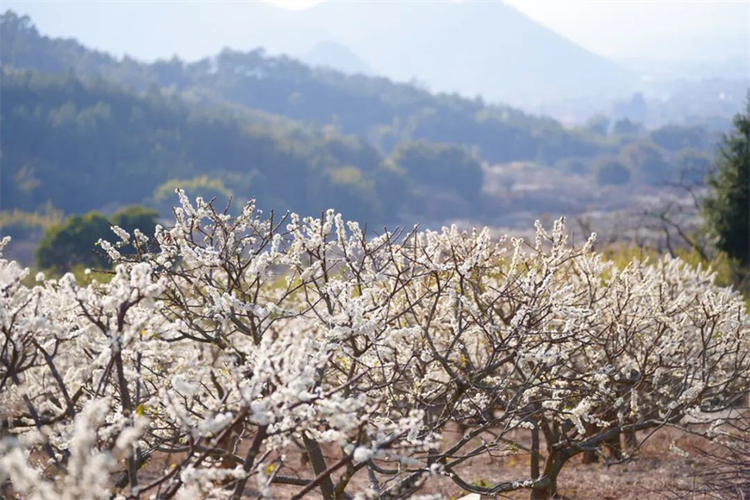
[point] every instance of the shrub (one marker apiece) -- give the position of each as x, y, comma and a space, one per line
73, 243
20, 224
693, 166
355, 195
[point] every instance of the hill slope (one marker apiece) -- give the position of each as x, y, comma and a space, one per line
84, 146
387, 113
475, 48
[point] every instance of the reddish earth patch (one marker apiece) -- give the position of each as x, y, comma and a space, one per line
656, 474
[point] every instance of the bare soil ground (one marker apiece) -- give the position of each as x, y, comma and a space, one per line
657, 474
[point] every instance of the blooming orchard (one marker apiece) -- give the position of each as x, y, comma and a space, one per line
224, 347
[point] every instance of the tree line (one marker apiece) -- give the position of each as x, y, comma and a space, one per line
85, 145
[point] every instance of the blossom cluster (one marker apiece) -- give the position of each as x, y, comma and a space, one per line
226, 347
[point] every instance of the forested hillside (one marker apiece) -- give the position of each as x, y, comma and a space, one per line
83, 130
384, 111
94, 145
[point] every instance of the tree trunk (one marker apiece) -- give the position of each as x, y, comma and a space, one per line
611, 444
590, 457
318, 463
548, 488
535, 451
631, 441
545, 493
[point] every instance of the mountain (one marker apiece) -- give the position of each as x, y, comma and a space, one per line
85, 129
474, 48
384, 112
329, 54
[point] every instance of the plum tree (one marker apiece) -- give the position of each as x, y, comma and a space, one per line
223, 342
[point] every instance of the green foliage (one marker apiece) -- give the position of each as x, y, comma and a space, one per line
677, 137
86, 131
577, 166
598, 124
354, 193
96, 145
74, 242
725, 268
632, 110
693, 165
727, 207
135, 217
132, 218
392, 188
19, 224
163, 198
610, 171
440, 166
645, 159
623, 255
626, 127
728, 273
356, 104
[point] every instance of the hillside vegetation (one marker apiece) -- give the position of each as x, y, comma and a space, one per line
376, 107
86, 131
90, 145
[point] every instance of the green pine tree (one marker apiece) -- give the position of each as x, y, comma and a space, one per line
727, 207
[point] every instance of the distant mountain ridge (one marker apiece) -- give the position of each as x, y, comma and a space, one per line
474, 48
385, 112
333, 55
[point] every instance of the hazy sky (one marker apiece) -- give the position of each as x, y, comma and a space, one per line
655, 29
675, 30
651, 29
